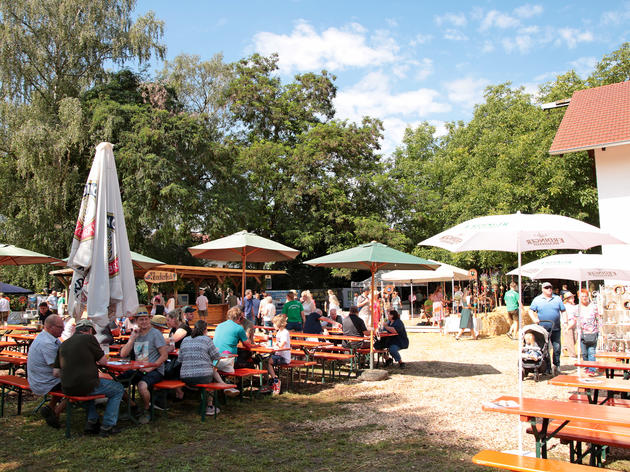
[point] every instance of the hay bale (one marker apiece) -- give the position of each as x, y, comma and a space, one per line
374, 375
496, 322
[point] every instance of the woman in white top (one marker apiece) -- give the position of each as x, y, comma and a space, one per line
333, 301
268, 311
170, 305
307, 302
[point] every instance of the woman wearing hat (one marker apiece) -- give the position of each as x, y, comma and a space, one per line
569, 324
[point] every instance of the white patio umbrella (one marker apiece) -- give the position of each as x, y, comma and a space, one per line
517, 233
103, 279
577, 267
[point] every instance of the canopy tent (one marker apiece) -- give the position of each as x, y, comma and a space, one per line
576, 267
13, 255
444, 273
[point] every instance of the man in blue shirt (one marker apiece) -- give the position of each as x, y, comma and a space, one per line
248, 306
546, 310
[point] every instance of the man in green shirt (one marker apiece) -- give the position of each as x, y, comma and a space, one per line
512, 304
295, 313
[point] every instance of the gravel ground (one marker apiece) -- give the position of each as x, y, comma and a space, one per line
441, 391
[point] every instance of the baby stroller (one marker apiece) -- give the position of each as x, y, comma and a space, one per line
540, 352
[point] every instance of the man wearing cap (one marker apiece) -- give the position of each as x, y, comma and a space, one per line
569, 323
202, 304
77, 359
41, 361
546, 310
146, 344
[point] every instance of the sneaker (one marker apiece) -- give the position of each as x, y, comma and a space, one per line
212, 410
145, 418
104, 432
555, 371
232, 392
49, 415
92, 427
276, 386
266, 389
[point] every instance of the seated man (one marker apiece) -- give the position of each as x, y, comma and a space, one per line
41, 360
77, 358
354, 326
147, 344
44, 312
227, 336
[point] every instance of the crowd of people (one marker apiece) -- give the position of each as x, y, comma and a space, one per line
68, 360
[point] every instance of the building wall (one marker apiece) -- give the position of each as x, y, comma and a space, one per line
613, 187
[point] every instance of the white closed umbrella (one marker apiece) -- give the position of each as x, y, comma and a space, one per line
103, 280
520, 232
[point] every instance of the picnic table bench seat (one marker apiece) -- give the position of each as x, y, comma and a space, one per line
163, 385
15, 384
505, 461
292, 366
246, 373
215, 388
333, 358
581, 398
71, 400
600, 438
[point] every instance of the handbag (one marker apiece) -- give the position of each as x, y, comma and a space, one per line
589, 339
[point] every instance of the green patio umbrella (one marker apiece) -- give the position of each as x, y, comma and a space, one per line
244, 246
373, 256
12, 255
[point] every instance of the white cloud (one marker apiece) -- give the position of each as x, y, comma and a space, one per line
304, 49
584, 65
528, 10
615, 17
523, 43
425, 69
391, 22
455, 35
488, 46
420, 39
571, 37
455, 19
467, 91
495, 18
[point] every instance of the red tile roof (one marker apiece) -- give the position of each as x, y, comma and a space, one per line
596, 117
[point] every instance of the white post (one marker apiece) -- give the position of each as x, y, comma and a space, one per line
520, 343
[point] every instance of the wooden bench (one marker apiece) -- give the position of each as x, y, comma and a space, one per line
163, 385
242, 374
380, 354
599, 437
215, 388
15, 384
505, 461
71, 400
292, 366
580, 398
334, 358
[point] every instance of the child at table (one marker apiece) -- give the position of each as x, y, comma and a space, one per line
283, 341
531, 350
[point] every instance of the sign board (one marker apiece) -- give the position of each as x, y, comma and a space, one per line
159, 276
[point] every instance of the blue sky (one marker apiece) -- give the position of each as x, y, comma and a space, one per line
403, 61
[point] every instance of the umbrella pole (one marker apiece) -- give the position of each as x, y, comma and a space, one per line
243, 278
520, 343
411, 298
579, 332
372, 320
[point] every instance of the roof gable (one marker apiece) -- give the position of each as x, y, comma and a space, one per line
596, 117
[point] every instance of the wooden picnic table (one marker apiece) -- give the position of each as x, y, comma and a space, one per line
14, 361
12, 327
592, 385
607, 365
22, 340
620, 356
540, 411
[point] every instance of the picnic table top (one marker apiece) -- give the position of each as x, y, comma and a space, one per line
125, 365
21, 337
13, 360
612, 355
304, 343
606, 364
595, 383
561, 410
20, 327
337, 337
